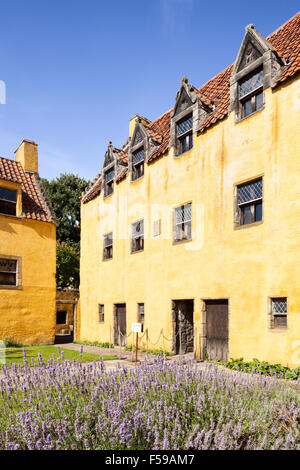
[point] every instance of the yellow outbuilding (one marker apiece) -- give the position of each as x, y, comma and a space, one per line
27, 251
192, 227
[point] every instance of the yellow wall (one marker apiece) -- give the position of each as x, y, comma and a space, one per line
28, 314
246, 265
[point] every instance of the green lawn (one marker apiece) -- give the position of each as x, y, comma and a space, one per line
15, 355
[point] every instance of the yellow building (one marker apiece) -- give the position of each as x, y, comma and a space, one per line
192, 227
27, 251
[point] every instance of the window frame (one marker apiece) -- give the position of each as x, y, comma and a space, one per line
180, 139
107, 247
182, 240
274, 315
18, 272
101, 314
136, 166
59, 312
109, 185
252, 95
252, 203
141, 237
139, 313
9, 202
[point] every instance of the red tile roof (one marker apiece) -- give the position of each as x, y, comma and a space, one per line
286, 43
35, 204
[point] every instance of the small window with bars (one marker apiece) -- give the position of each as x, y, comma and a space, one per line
137, 236
279, 312
8, 272
251, 93
141, 313
183, 223
185, 134
8, 201
249, 202
138, 160
108, 246
101, 313
109, 182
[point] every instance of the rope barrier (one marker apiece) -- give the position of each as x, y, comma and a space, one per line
121, 336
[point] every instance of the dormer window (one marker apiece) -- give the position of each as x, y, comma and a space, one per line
184, 130
251, 93
109, 182
8, 201
257, 67
138, 160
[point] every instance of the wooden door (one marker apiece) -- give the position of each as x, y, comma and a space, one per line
217, 329
120, 322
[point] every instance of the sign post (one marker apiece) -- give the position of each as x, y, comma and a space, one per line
136, 328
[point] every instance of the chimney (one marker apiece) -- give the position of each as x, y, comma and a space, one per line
132, 122
27, 155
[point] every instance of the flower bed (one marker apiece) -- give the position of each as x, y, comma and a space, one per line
166, 405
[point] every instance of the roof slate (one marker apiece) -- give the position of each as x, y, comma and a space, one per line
286, 43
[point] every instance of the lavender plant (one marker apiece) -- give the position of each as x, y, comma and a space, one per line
165, 405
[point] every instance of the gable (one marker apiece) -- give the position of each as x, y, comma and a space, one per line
183, 102
250, 54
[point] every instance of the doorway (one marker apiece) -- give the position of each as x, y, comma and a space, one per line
183, 326
217, 331
120, 324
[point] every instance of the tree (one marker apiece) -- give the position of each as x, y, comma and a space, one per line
67, 263
64, 193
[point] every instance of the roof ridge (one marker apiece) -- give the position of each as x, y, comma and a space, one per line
283, 25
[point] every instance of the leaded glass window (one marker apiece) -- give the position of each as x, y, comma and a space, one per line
251, 93
185, 134
249, 202
8, 201
8, 272
138, 160
108, 246
109, 182
279, 312
141, 313
183, 223
137, 236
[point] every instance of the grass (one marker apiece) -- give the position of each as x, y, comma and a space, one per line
15, 355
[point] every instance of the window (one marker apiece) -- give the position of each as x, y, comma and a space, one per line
141, 313
8, 201
108, 246
8, 272
109, 182
138, 159
183, 223
137, 236
61, 318
251, 93
185, 134
249, 202
101, 313
279, 312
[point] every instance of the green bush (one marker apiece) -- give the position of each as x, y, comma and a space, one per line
95, 343
155, 352
12, 343
263, 367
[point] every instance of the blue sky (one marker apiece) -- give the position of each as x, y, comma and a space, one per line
77, 71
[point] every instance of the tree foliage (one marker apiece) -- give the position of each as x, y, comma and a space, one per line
64, 193
67, 263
